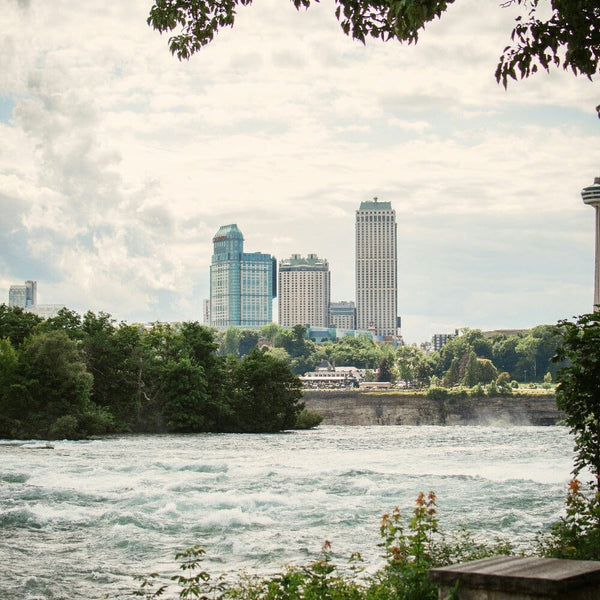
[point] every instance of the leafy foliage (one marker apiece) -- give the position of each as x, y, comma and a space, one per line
577, 534
551, 33
71, 377
200, 20
266, 394
472, 358
16, 324
568, 37
578, 390
47, 391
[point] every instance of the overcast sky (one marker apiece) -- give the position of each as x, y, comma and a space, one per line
118, 163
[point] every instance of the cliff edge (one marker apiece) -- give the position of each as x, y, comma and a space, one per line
372, 408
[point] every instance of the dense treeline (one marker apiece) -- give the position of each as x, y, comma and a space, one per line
71, 376
469, 359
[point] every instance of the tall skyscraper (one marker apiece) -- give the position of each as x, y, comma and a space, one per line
591, 196
242, 285
377, 268
23, 295
304, 291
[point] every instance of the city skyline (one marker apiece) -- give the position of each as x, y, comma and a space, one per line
119, 162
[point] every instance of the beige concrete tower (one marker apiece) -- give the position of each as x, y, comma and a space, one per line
377, 268
591, 196
304, 291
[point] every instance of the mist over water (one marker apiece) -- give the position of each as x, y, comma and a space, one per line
79, 519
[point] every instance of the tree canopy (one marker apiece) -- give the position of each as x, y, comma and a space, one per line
547, 33
578, 391
72, 377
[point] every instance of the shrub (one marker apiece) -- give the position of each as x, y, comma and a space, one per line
477, 391
437, 393
491, 389
577, 534
65, 427
308, 419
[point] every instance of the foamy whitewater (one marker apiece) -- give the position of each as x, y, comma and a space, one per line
77, 520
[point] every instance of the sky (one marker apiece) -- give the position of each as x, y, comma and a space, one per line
118, 162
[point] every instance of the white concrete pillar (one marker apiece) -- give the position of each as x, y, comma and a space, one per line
591, 196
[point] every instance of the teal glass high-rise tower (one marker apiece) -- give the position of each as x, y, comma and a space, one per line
242, 285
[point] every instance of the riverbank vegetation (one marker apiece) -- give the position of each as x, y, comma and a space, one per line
72, 376
409, 548
501, 360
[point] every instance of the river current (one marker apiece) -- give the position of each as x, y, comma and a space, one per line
79, 518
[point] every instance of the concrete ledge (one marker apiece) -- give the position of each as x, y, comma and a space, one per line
518, 578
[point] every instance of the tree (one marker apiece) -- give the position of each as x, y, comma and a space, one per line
248, 341
230, 344
266, 394
65, 320
578, 390
113, 355
52, 398
358, 351
269, 332
472, 371
16, 324
185, 398
384, 370
412, 365
546, 33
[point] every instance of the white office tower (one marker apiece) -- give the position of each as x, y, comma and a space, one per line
591, 196
304, 291
377, 269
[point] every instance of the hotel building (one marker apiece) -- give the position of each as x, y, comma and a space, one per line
242, 285
304, 291
377, 269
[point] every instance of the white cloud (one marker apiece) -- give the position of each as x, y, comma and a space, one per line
121, 162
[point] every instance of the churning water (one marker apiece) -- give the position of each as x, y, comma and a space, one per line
77, 520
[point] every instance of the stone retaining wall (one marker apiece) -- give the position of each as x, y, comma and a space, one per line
372, 408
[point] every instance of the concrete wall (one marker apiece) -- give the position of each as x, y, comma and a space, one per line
372, 408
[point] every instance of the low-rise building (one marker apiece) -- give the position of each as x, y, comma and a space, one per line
342, 315
326, 376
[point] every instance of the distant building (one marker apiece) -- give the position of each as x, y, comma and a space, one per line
304, 291
332, 334
326, 376
23, 295
45, 311
17, 295
242, 285
377, 269
439, 339
342, 315
206, 311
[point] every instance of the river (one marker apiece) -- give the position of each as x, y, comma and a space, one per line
78, 519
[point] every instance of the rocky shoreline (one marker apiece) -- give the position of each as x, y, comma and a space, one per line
350, 407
